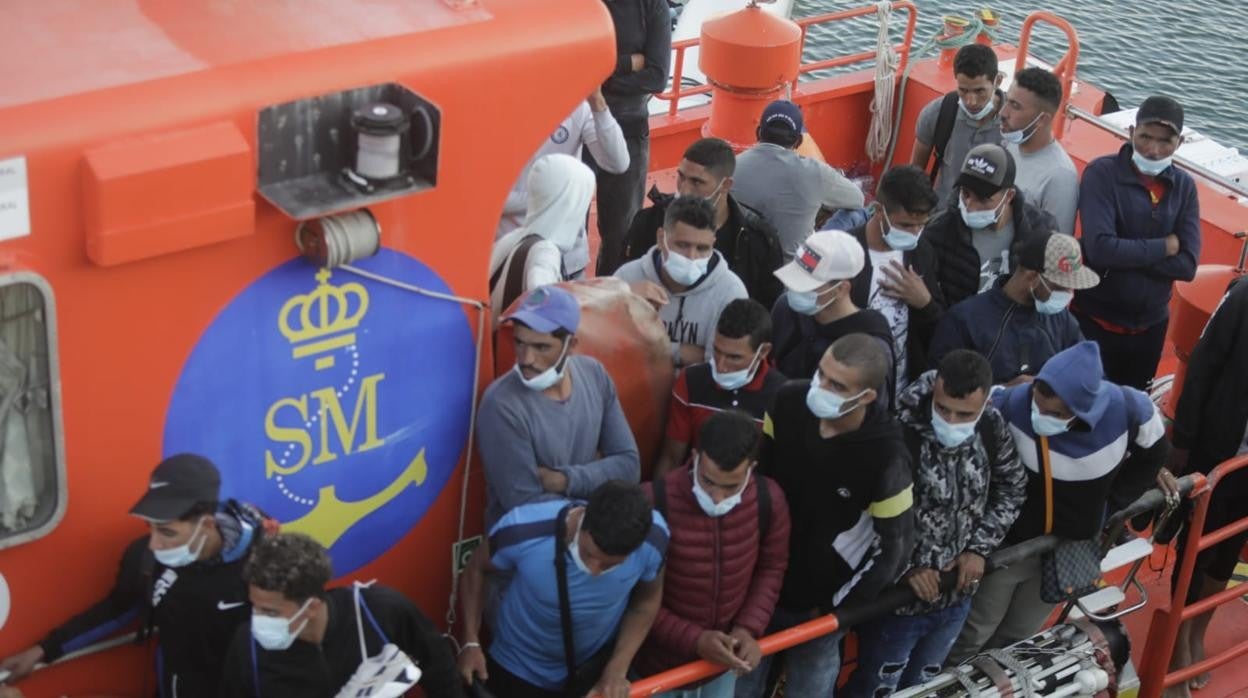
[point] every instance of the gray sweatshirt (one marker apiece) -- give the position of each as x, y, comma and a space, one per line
691, 315
585, 437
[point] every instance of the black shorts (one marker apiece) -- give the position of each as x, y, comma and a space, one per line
1227, 506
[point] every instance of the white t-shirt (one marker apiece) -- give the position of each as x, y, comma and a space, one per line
894, 310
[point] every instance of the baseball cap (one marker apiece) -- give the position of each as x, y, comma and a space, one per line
1059, 260
1161, 110
177, 485
782, 115
546, 309
828, 255
987, 170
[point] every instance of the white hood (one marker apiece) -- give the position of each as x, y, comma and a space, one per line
560, 188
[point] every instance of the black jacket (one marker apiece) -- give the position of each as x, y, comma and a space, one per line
959, 260
746, 240
842, 493
1213, 408
923, 321
196, 608
645, 27
800, 342
319, 671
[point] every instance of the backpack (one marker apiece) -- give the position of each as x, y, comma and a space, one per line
514, 264
764, 503
944, 129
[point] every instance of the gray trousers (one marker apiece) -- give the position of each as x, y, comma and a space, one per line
619, 198
1005, 609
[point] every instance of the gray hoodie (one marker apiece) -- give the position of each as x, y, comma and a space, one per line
690, 316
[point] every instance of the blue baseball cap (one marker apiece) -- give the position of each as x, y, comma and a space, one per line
782, 115
546, 309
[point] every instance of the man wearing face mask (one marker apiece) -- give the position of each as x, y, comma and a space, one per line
1141, 231
842, 462
686, 279
1045, 172
747, 241
1096, 447
900, 282
978, 238
726, 558
949, 126
306, 641
184, 579
552, 427
609, 554
968, 489
1024, 320
739, 377
818, 307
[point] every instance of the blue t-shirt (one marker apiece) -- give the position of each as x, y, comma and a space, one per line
528, 641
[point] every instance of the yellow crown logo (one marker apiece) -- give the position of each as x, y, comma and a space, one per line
326, 318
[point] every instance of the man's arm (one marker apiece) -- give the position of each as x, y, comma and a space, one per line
652, 76
1061, 198
507, 456
415, 635
471, 660
892, 516
1145, 455
925, 134
670, 457
601, 133
950, 334
1208, 362
237, 679
643, 606
621, 459
1006, 491
773, 561
838, 191
1182, 266
679, 429
1102, 246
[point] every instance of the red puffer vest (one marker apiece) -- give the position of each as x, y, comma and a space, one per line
719, 575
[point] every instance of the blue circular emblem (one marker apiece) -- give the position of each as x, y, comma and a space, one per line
560, 135
336, 403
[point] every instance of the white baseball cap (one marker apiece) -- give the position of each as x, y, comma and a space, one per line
828, 255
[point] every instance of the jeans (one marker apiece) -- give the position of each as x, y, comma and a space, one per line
619, 199
811, 668
719, 688
1005, 609
897, 652
1129, 359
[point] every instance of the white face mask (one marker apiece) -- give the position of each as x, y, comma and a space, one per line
708, 504
1045, 425
900, 240
979, 220
273, 632
826, 404
683, 270
1151, 168
982, 113
183, 555
1022, 135
736, 380
807, 302
575, 548
950, 435
1057, 302
550, 376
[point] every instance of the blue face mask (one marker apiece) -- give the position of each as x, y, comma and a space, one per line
951, 435
1045, 425
900, 240
826, 404
1057, 302
1151, 168
1021, 136
683, 270
979, 220
735, 380
807, 302
186, 553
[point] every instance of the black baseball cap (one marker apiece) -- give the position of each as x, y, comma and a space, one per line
1161, 110
988, 169
177, 485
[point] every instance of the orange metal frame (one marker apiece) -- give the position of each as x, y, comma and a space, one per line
1155, 677
677, 90
1065, 68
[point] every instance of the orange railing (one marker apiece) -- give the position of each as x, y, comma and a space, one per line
678, 90
1065, 68
1164, 630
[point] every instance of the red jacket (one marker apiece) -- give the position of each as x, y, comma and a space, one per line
719, 574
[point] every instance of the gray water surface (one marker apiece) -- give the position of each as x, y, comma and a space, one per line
1196, 52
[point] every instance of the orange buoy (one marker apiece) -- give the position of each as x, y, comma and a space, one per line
1194, 304
748, 57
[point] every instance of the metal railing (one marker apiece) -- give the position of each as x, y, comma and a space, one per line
1155, 676
901, 595
678, 89
1065, 68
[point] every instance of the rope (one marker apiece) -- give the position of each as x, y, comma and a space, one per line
975, 26
886, 59
356, 235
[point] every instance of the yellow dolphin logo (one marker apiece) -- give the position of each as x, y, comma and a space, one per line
331, 518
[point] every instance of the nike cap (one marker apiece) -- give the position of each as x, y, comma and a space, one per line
177, 485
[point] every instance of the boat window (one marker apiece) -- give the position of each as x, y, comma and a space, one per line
32, 468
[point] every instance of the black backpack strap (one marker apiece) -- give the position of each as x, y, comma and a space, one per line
565, 604
944, 129
988, 433
513, 264
660, 495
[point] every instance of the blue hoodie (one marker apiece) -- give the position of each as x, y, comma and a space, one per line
1112, 451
